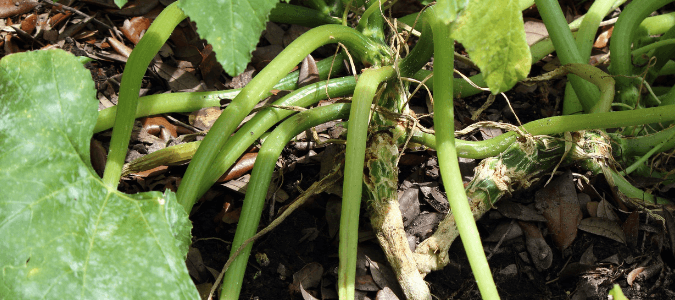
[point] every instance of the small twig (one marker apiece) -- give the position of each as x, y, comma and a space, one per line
77, 12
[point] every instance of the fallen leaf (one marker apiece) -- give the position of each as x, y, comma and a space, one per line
630, 228
10, 8
409, 204
149, 124
606, 210
241, 167
518, 211
535, 31
630, 278
308, 277
540, 252
386, 294
561, 209
308, 73
178, 79
205, 117
306, 295
603, 38
506, 230
133, 29
588, 258
603, 227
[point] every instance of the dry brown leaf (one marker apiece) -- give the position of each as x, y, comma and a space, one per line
630, 228
10, 8
178, 79
149, 124
133, 29
603, 227
205, 117
535, 31
308, 277
630, 278
518, 211
606, 210
603, 38
241, 167
561, 209
540, 252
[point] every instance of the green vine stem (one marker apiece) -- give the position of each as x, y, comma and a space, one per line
662, 55
299, 15
602, 80
363, 48
660, 147
559, 124
372, 21
652, 46
245, 136
259, 184
657, 24
566, 49
188, 102
620, 47
421, 54
641, 145
138, 62
248, 133
584, 40
448, 161
357, 130
319, 5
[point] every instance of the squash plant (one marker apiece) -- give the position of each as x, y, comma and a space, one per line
69, 234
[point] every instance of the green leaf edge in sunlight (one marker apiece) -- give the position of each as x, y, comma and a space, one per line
233, 28
493, 34
65, 235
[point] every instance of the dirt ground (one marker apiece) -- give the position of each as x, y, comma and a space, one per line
632, 248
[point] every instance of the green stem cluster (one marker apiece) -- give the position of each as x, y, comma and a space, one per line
193, 181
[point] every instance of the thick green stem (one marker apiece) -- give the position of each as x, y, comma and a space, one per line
254, 128
359, 46
555, 125
657, 24
359, 116
138, 62
248, 133
422, 52
188, 102
372, 21
260, 180
299, 15
662, 145
620, 47
448, 162
566, 49
641, 145
585, 38
652, 46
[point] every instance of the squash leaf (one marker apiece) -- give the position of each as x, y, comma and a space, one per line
233, 28
493, 34
65, 235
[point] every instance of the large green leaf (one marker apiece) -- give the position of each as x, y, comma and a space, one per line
232, 27
64, 234
493, 34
